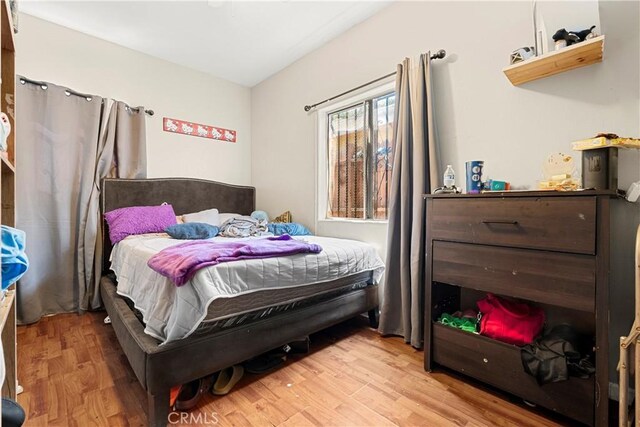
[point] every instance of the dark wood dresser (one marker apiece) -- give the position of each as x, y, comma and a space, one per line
548, 248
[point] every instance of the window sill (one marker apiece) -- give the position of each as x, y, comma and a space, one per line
353, 221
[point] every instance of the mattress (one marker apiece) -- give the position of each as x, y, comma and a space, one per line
226, 291
247, 316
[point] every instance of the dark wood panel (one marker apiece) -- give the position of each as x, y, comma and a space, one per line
8, 199
602, 314
428, 290
565, 280
565, 224
500, 365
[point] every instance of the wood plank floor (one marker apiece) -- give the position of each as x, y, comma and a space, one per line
74, 374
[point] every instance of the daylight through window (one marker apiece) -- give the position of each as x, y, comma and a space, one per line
360, 139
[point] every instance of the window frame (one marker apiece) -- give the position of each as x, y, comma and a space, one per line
322, 153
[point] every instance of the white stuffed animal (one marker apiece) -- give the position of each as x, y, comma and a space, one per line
5, 130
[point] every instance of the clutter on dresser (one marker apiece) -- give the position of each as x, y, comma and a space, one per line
495, 185
449, 178
449, 181
600, 159
600, 169
445, 190
474, 176
605, 140
559, 173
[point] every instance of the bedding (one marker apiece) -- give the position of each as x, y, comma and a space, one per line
243, 226
209, 216
171, 313
290, 228
226, 313
192, 231
133, 220
260, 215
180, 263
224, 217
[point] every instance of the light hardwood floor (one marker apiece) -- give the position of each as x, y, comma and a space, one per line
74, 374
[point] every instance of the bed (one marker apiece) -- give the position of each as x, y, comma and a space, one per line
228, 333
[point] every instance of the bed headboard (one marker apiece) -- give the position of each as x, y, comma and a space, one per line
184, 194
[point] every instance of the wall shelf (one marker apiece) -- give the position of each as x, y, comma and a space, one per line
575, 56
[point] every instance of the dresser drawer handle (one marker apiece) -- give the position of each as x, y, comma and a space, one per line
499, 221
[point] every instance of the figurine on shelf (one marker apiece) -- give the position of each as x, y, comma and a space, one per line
521, 54
563, 38
5, 130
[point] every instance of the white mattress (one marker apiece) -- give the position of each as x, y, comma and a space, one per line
172, 313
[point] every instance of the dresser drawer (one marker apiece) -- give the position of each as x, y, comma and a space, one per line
500, 365
566, 224
564, 280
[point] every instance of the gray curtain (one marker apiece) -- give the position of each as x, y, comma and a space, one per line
121, 153
66, 144
415, 172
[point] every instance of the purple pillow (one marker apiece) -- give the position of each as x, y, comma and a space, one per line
125, 222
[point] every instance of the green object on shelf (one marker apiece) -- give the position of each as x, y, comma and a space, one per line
464, 323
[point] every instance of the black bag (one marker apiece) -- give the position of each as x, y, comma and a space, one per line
556, 356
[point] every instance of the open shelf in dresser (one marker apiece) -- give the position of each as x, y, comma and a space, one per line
499, 364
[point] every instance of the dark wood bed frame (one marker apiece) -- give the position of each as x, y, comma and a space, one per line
158, 368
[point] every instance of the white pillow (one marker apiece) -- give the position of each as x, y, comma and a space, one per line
210, 216
224, 217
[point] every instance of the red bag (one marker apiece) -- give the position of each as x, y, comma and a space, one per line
508, 321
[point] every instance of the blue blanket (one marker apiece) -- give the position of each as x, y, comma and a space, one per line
14, 259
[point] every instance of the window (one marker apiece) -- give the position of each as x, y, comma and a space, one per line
360, 158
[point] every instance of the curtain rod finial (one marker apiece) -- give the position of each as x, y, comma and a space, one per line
307, 108
439, 54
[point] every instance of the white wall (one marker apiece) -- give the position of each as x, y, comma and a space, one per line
53, 53
479, 114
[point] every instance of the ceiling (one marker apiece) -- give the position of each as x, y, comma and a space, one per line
241, 41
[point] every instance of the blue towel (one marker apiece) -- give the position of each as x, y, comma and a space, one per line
14, 259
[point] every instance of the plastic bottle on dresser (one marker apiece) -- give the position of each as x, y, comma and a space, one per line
449, 177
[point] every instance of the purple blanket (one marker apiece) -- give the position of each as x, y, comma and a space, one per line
180, 262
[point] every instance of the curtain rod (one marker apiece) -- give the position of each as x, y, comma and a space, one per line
438, 55
69, 92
